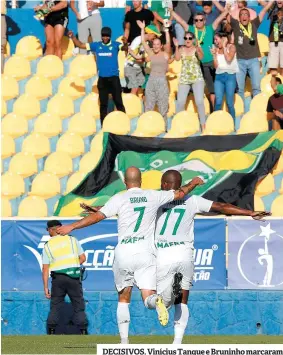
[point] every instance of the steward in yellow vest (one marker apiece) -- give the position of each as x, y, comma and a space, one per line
62, 256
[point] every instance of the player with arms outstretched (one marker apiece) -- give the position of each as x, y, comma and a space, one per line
135, 259
174, 238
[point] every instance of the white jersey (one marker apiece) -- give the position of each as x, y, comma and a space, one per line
137, 212
175, 220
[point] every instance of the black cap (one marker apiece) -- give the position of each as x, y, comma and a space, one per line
106, 31
207, 3
53, 223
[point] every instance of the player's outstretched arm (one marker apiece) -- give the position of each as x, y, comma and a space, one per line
228, 209
186, 189
85, 222
89, 209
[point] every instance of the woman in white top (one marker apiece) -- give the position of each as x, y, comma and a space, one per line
225, 62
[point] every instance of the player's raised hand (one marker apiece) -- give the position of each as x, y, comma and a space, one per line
64, 230
88, 209
257, 215
197, 181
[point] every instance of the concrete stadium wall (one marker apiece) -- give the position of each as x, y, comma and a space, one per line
213, 312
21, 23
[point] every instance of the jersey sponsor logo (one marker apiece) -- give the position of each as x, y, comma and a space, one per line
105, 54
131, 240
96, 259
138, 199
169, 244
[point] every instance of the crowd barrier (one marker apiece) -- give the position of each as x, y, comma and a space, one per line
238, 279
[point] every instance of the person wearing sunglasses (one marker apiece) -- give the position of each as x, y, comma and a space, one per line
204, 38
191, 74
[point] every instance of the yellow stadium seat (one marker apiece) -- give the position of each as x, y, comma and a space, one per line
184, 124
151, 179
7, 146
23, 164
36, 144
13, 185
266, 186
29, 47
259, 103
71, 143
39, 86
50, 66
281, 187
238, 104
235, 160
45, 185
253, 122
175, 67
94, 87
27, 106
150, 124
33, 206
204, 156
191, 105
90, 105
67, 47
61, 105
74, 180
82, 124
258, 204
263, 43
9, 87
59, 163
97, 143
89, 161
133, 105
14, 124
277, 207
6, 209
219, 123
7, 50
265, 84
278, 167
121, 63
173, 83
48, 124
72, 86
3, 107
248, 87
83, 66
117, 122
17, 67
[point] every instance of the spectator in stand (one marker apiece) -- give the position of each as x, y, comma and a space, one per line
191, 75
157, 90
56, 21
129, 5
182, 9
3, 33
275, 104
204, 37
162, 13
225, 62
211, 9
132, 30
106, 53
238, 6
135, 62
248, 54
89, 20
275, 57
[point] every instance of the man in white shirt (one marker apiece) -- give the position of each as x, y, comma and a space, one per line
174, 238
89, 20
135, 260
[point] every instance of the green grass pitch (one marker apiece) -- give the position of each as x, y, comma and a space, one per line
86, 344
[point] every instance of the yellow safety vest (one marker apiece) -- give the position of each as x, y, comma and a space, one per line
63, 254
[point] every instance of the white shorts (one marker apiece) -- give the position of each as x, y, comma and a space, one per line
170, 260
138, 269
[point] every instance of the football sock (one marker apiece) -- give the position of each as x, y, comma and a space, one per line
123, 320
150, 301
181, 318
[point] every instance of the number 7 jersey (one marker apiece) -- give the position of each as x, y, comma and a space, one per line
137, 211
175, 220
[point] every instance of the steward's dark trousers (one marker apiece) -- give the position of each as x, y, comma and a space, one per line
63, 285
108, 86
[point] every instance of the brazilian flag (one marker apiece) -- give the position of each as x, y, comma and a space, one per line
230, 165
